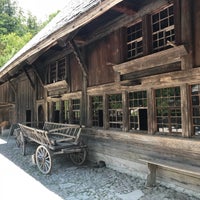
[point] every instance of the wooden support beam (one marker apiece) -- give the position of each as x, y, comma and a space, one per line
38, 76
29, 78
124, 8
13, 87
79, 57
169, 56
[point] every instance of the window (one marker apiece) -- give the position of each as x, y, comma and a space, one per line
61, 69
76, 111
163, 28
56, 112
57, 71
168, 110
97, 111
138, 110
66, 111
134, 41
195, 95
115, 113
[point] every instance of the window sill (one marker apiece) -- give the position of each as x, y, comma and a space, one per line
164, 57
56, 86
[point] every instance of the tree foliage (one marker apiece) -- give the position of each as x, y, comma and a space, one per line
16, 28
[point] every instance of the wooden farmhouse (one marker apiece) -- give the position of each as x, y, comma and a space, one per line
126, 70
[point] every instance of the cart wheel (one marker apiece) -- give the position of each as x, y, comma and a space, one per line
21, 142
43, 159
78, 158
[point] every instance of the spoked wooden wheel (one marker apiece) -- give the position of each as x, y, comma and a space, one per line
21, 142
78, 158
43, 159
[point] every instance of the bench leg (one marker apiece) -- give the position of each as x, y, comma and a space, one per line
151, 177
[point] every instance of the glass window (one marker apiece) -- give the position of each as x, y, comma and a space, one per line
66, 111
134, 41
163, 28
57, 71
195, 95
168, 110
115, 113
76, 111
97, 111
138, 110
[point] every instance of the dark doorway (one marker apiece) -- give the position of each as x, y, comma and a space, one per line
143, 119
40, 117
100, 115
56, 116
28, 117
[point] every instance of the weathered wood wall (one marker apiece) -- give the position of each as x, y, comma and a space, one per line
102, 55
25, 98
196, 28
121, 151
76, 74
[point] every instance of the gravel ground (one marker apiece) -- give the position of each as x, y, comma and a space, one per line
66, 181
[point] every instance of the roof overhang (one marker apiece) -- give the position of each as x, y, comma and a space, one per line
53, 38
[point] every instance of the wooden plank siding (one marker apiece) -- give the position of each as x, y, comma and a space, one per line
25, 98
102, 55
76, 73
112, 94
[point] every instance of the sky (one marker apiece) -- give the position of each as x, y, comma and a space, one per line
41, 8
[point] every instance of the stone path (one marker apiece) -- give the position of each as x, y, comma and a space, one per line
20, 179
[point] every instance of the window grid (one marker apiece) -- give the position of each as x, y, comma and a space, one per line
97, 105
137, 100
163, 28
76, 111
195, 98
62, 69
66, 111
134, 41
115, 113
53, 73
57, 71
168, 110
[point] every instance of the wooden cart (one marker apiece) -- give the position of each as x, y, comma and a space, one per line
55, 139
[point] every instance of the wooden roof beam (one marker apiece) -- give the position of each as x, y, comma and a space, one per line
29, 78
125, 9
79, 57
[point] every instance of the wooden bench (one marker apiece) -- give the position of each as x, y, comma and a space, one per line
153, 164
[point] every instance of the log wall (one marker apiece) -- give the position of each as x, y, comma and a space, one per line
122, 151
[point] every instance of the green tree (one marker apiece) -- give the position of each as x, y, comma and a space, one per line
16, 28
10, 44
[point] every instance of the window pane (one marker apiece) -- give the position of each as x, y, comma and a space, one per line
134, 41
163, 29
115, 111
138, 110
168, 107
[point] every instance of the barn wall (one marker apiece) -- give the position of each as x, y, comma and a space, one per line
76, 74
25, 99
196, 26
101, 55
7, 93
122, 151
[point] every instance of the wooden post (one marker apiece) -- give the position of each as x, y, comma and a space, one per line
105, 111
151, 177
186, 33
46, 110
84, 102
147, 35
125, 111
151, 111
186, 111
